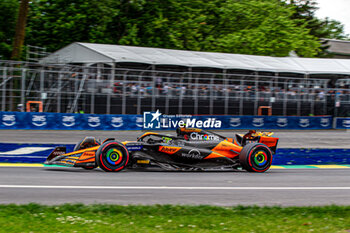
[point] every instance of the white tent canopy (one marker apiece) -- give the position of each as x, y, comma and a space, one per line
88, 53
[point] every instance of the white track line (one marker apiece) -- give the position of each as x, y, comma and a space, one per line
171, 187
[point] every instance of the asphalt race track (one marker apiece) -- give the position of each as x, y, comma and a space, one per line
284, 187
288, 138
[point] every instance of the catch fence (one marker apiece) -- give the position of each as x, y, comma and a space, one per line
100, 89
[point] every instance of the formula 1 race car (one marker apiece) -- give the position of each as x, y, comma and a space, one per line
191, 149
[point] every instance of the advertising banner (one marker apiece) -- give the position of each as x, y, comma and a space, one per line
159, 121
342, 123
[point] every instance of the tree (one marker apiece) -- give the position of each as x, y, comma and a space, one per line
259, 27
250, 27
8, 13
304, 15
54, 24
20, 30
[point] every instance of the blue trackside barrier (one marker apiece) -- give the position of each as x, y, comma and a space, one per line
27, 153
342, 123
37, 153
66, 121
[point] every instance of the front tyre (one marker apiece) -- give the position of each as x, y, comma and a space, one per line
255, 157
112, 156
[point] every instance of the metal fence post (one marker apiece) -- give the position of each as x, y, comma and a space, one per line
256, 100
139, 95
92, 98
4, 78
226, 91
124, 93
211, 95
109, 95
181, 96
42, 74
241, 98
23, 84
285, 99
195, 91
153, 89
59, 91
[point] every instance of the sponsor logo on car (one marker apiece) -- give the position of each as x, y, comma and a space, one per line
192, 154
166, 139
134, 147
89, 153
203, 137
143, 161
169, 149
57, 153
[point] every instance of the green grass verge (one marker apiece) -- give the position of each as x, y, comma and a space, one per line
168, 218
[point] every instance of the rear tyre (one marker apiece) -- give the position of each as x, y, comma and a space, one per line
112, 156
87, 142
255, 157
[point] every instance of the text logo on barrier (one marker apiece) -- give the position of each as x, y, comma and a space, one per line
282, 122
94, 121
38, 120
68, 121
346, 123
117, 122
325, 122
8, 120
235, 122
151, 120
258, 122
304, 122
139, 121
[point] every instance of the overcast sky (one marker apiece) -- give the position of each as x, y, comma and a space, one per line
335, 9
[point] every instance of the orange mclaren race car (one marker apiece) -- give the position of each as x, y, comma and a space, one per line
190, 149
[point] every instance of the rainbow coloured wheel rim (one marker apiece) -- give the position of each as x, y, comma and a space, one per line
260, 158
114, 156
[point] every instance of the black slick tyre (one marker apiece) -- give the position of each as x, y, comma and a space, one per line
112, 156
255, 157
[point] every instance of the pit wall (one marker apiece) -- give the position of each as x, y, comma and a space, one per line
66, 121
37, 153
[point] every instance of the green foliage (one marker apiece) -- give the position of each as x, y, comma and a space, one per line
8, 15
54, 24
169, 218
304, 15
260, 27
